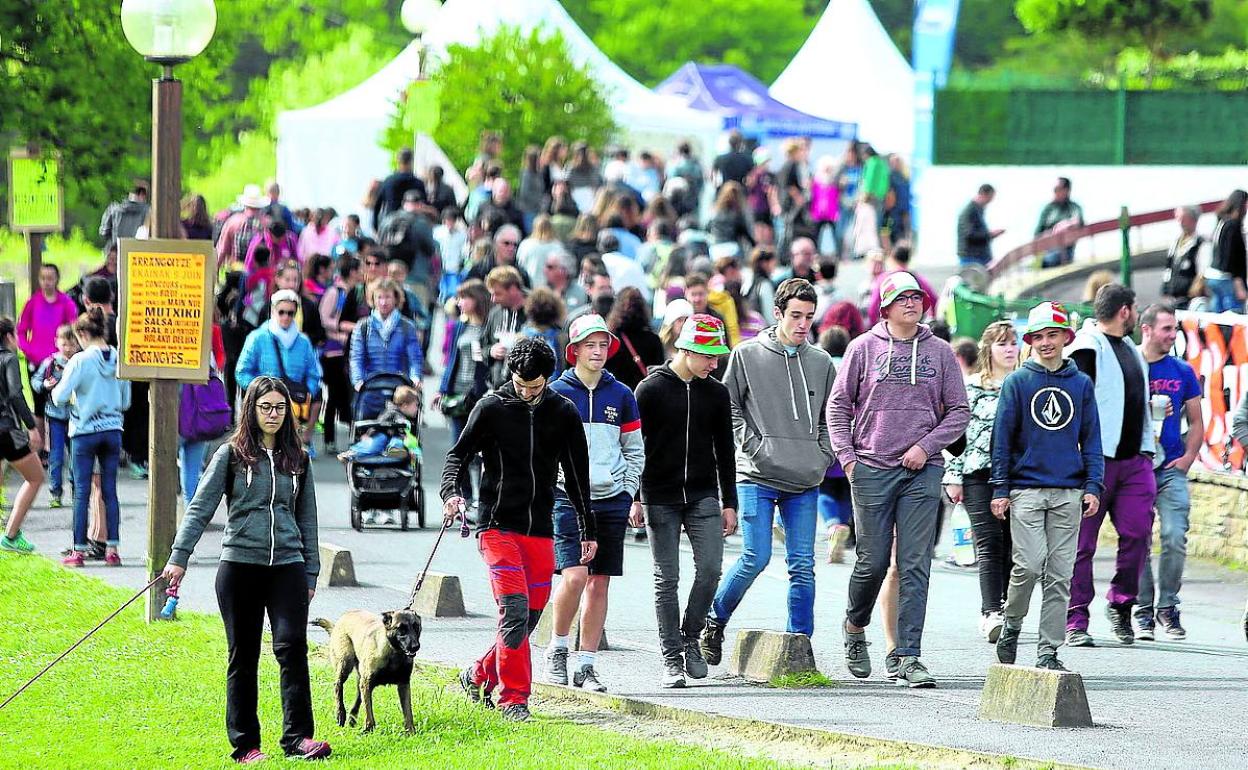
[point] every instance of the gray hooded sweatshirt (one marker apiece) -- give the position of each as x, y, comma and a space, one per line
777, 412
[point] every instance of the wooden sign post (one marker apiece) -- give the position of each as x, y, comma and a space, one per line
36, 202
164, 329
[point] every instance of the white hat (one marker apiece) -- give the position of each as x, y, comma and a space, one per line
677, 308
252, 198
284, 295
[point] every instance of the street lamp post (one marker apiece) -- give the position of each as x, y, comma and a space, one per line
416, 16
168, 33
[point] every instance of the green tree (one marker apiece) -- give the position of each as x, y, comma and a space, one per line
1150, 23
523, 86
651, 41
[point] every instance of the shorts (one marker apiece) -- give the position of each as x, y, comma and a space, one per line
9, 450
612, 515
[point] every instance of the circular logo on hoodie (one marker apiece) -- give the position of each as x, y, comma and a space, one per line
1052, 408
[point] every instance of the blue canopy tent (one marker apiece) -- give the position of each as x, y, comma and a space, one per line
745, 104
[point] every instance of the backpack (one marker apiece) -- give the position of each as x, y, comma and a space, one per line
204, 413
252, 304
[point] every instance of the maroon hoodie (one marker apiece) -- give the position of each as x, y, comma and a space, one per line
892, 394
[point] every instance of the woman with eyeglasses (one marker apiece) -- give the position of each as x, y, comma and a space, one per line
966, 475
269, 564
278, 349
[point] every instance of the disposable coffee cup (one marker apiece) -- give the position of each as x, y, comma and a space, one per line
1157, 404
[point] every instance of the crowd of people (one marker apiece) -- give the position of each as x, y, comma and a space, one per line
610, 358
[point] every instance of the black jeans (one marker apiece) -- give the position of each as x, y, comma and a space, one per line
244, 593
338, 397
993, 546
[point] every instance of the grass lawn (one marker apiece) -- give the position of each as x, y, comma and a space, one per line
140, 696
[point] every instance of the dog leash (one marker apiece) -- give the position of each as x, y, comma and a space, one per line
464, 531
76, 644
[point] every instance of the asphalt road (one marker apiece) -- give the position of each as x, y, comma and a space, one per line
1164, 704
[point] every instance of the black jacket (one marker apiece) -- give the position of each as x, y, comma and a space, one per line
1229, 253
500, 324
522, 447
687, 427
390, 195
974, 240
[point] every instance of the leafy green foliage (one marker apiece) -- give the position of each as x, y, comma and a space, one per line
522, 86
652, 40
803, 680
1148, 22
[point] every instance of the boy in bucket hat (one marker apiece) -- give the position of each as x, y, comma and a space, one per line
898, 401
616, 455
1046, 466
687, 483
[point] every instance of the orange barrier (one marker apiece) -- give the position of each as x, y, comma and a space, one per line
1216, 345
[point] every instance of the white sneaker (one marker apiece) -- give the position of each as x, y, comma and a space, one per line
838, 535
990, 626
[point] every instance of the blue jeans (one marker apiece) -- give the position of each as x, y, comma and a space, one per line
375, 443
1174, 504
835, 502
798, 511
58, 445
1222, 295
191, 458
106, 446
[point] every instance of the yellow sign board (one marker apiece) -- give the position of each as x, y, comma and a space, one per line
164, 324
35, 201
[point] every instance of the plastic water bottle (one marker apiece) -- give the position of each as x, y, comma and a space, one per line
963, 545
171, 605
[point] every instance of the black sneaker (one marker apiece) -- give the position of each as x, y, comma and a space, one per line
586, 678
1144, 626
474, 691
857, 660
892, 664
1120, 623
1051, 663
1079, 637
1168, 617
695, 664
1007, 644
557, 666
95, 551
516, 712
713, 642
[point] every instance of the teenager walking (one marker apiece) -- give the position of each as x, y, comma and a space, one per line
270, 560
1047, 473
898, 401
609, 413
778, 385
525, 434
686, 421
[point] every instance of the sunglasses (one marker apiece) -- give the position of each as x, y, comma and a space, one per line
286, 313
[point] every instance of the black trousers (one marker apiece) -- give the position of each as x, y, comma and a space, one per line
232, 339
339, 396
245, 592
993, 545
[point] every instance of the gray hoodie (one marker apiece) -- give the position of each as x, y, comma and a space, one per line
777, 412
266, 523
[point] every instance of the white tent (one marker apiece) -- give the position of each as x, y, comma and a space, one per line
328, 153
849, 69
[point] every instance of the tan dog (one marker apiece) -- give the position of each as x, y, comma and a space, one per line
379, 648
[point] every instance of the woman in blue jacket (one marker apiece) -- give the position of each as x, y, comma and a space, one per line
278, 349
385, 342
100, 399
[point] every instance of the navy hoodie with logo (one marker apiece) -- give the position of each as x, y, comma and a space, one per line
1047, 432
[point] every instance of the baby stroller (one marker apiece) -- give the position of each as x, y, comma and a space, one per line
382, 483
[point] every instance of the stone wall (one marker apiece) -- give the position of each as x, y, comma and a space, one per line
1219, 524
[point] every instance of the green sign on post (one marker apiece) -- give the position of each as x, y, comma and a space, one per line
35, 200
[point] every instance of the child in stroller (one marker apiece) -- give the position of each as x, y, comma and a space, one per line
389, 435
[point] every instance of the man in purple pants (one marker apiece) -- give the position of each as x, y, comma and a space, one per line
1118, 370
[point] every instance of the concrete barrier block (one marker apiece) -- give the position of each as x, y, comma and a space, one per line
1034, 696
439, 597
761, 656
542, 634
337, 569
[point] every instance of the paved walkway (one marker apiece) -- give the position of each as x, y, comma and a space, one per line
1168, 704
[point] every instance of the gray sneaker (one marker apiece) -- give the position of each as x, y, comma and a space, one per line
892, 664
856, 658
914, 674
516, 712
557, 666
1120, 623
673, 675
586, 678
1079, 637
1168, 619
695, 664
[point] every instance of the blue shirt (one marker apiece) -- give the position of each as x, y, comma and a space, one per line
1176, 379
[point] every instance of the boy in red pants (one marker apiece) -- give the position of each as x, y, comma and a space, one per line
524, 433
